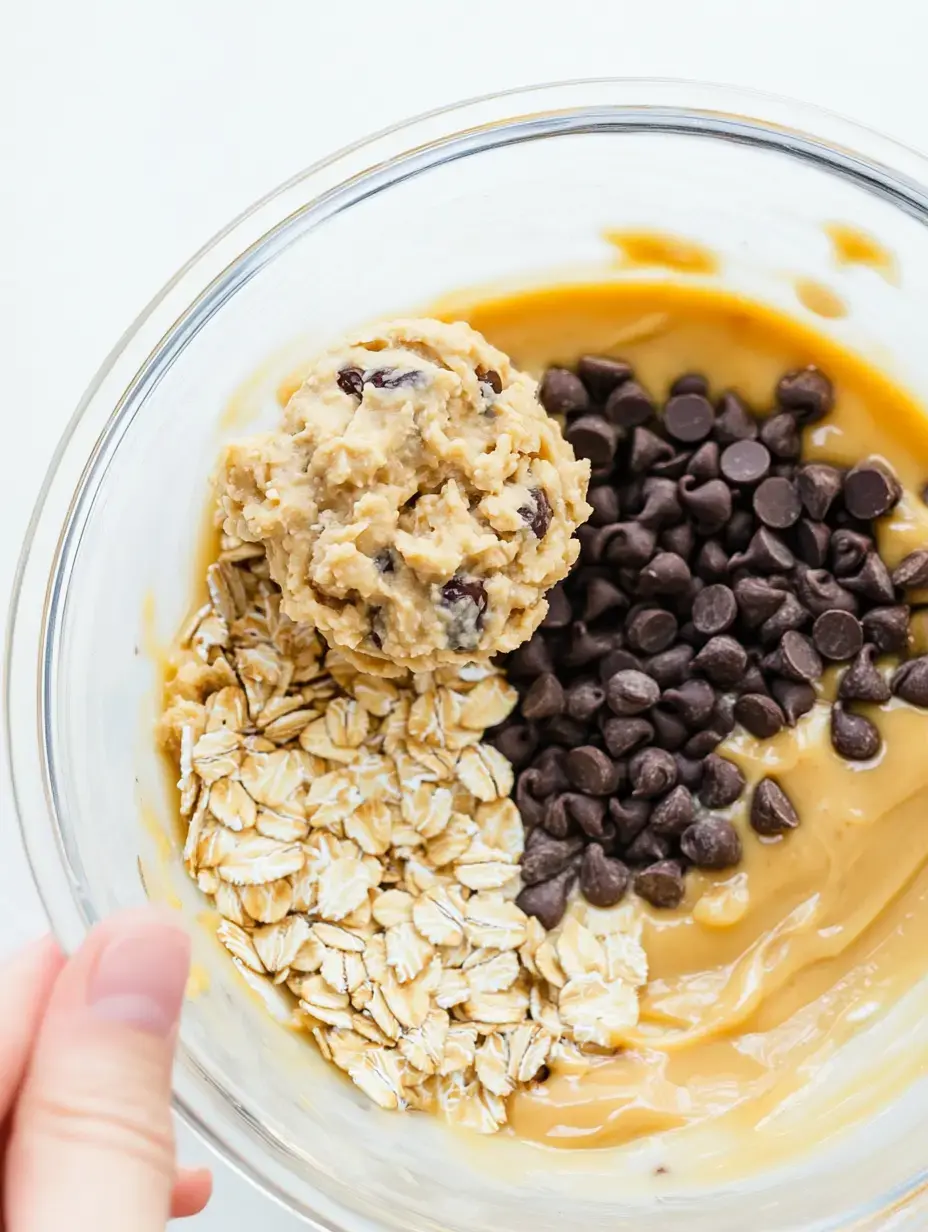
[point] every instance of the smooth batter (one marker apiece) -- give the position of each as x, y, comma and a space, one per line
762, 974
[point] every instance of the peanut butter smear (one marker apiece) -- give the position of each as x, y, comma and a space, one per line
763, 973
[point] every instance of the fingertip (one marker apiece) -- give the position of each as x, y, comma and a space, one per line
192, 1191
34, 962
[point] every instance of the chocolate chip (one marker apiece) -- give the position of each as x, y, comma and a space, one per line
689, 771
588, 812
704, 464
759, 714
562, 392
547, 901
766, 552
618, 661
690, 383
753, 680
661, 884
745, 462
714, 609
545, 856
739, 530
693, 701
491, 380
602, 596
544, 699
647, 448
813, 540
679, 539
466, 601
862, 682
647, 847
537, 513
584, 646
628, 544
673, 814
623, 736
671, 667
734, 421
601, 375
532, 657
849, 550
651, 631
772, 811
665, 574
788, 616
853, 736
673, 467
757, 600
837, 635
556, 820
517, 742
351, 381
591, 770
593, 437
722, 782
394, 378
777, 503
711, 562
661, 503
888, 628
688, 418
910, 682
808, 393
670, 732
549, 763
913, 570
604, 502
780, 434
651, 772
628, 406
796, 658
870, 490
818, 485
629, 817
701, 743
583, 699
872, 580
560, 612
712, 843
818, 591
708, 504
531, 794
795, 699
603, 881
631, 692
723, 661
563, 730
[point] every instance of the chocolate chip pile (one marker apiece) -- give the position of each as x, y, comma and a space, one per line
718, 577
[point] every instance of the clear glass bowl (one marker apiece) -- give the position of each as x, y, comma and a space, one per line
507, 189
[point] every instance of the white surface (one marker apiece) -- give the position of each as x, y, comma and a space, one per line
129, 133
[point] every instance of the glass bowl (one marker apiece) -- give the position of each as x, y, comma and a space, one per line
507, 189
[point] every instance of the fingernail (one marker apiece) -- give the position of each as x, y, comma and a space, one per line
140, 977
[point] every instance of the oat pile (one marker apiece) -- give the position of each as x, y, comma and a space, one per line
359, 842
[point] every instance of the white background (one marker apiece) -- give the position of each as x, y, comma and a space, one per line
132, 130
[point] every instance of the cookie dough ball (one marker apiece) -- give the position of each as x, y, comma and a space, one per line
416, 503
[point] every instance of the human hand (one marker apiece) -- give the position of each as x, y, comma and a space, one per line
86, 1045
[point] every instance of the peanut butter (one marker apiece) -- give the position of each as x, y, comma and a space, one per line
762, 974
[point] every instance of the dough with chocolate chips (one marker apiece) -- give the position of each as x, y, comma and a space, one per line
417, 502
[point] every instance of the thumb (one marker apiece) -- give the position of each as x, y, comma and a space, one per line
92, 1143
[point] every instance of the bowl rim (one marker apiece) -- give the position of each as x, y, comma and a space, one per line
332, 183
